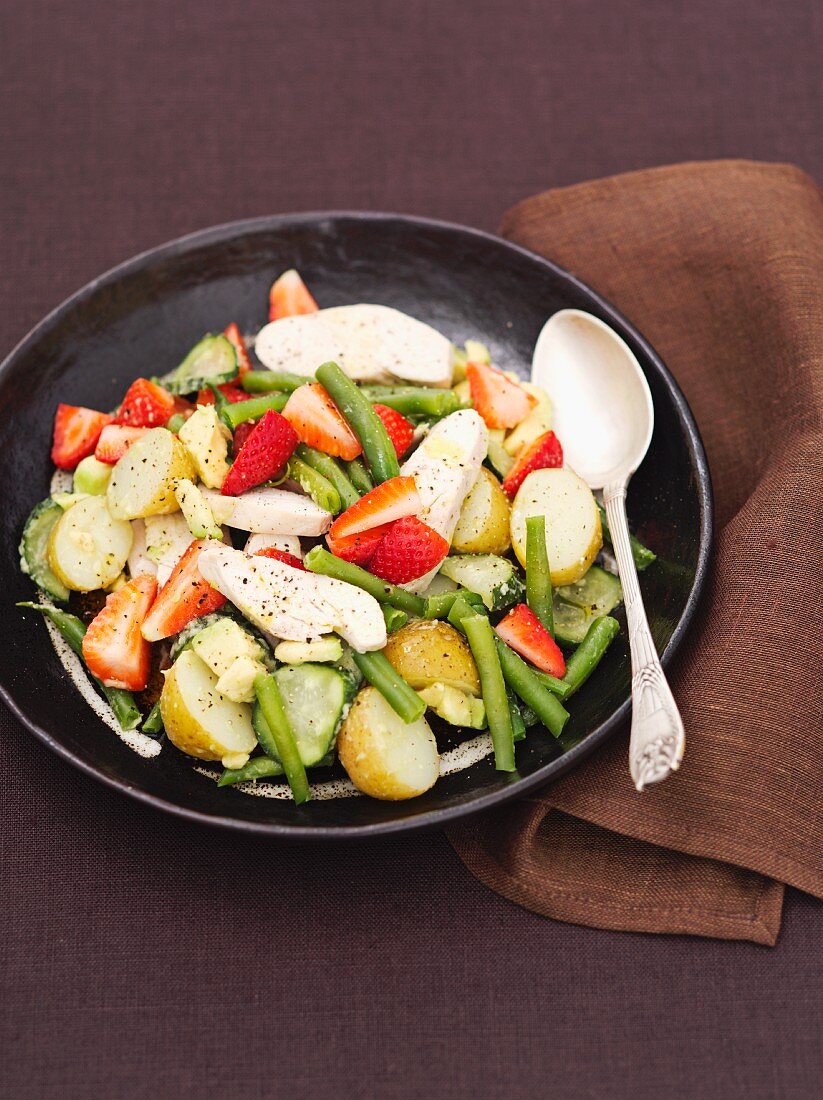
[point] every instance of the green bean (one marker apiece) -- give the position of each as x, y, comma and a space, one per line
357, 410
261, 767
395, 618
440, 605
325, 465
524, 683
642, 555
518, 725
264, 381
481, 641
319, 488
271, 704
319, 560
73, 630
153, 722
588, 654
557, 687
380, 673
538, 577
359, 476
414, 400
253, 409
175, 423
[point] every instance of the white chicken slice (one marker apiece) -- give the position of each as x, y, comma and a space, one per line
445, 466
269, 511
289, 544
139, 560
293, 604
370, 343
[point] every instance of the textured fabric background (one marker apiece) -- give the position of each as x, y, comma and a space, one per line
140, 957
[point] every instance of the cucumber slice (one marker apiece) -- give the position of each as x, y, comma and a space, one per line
315, 698
494, 579
34, 548
576, 606
212, 361
92, 477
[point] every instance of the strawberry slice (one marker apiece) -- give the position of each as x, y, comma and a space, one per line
230, 390
501, 402
115, 440
522, 630
184, 597
407, 551
289, 297
319, 423
113, 648
235, 338
241, 434
280, 555
399, 429
358, 549
267, 449
391, 500
146, 405
545, 453
76, 431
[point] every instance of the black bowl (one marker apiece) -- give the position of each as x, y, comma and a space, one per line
142, 317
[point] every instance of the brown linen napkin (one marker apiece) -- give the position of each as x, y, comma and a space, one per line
720, 265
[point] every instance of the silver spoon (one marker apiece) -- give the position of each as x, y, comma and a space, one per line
604, 417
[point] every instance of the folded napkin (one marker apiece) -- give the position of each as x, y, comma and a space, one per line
720, 265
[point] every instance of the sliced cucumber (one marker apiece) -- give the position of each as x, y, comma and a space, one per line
92, 476
34, 548
498, 457
577, 605
494, 579
315, 698
211, 361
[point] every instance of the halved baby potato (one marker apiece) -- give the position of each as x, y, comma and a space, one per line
483, 525
428, 651
88, 548
199, 720
384, 756
573, 532
143, 481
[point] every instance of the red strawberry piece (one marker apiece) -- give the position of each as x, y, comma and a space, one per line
267, 449
230, 390
113, 648
358, 549
289, 297
280, 555
391, 500
408, 550
319, 423
545, 453
184, 597
399, 429
501, 402
146, 405
241, 434
115, 440
235, 338
76, 432
522, 630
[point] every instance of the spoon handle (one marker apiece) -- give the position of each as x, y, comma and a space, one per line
657, 739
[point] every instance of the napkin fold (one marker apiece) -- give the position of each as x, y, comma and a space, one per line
720, 265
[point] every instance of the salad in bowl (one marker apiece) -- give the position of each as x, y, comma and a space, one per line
324, 545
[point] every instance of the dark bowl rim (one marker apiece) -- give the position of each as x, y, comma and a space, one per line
548, 772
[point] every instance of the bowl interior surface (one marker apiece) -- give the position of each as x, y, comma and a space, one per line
142, 318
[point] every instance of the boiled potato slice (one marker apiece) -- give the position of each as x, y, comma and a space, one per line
483, 525
88, 548
537, 423
573, 532
384, 756
143, 481
428, 652
199, 720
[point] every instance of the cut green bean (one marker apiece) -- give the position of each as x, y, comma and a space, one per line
262, 767
481, 641
557, 687
325, 465
518, 725
527, 686
538, 577
319, 560
73, 630
357, 410
271, 704
253, 409
643, 556
266, 381
153, 722
395, 618
589, 653
415, 400
381, 674
319, 488
359, 476
440, 605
